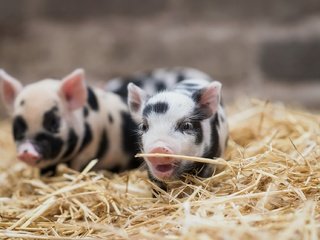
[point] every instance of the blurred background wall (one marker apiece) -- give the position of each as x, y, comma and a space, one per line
266, 49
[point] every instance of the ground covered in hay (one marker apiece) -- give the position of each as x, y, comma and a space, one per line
269, 188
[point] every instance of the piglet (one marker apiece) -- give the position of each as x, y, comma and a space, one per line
69, 122
154, 81
188, 120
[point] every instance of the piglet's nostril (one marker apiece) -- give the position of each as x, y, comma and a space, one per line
161, 150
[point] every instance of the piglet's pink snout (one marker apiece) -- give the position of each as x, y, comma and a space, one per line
161, 160
28, 154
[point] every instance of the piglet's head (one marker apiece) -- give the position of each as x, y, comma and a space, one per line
42, 115
174, 123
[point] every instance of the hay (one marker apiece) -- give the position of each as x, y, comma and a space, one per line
269, 189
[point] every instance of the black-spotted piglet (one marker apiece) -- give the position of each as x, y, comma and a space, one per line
189, 120
67, 121
154, 81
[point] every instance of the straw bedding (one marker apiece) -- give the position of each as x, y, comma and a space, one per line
269, 188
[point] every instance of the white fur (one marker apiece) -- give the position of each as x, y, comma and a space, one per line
162, 132
39, 97
99, 121
162, 127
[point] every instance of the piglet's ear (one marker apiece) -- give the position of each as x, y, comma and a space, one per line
73, 90
208, 99
9, 89
136, 100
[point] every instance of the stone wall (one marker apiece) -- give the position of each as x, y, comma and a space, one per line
267, 49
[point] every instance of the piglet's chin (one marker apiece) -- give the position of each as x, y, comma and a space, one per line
163, 172
162, 168
28, 159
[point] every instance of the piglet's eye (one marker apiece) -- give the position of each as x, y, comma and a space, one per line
186, 126
144, 126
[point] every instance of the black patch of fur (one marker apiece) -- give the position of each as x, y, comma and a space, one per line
130, 140
190, 85
19, 128
147, 110
214, 149
180, 77
192, 88
103, 145
129, 135
48, 145
48, 171
110, 118
134, 162
51, 121
115, 169
159, 183
92, 100
196, 96
198, 132
215, 120
85, 112
122, 91
71, 143
159, 107
160, 86
87, 137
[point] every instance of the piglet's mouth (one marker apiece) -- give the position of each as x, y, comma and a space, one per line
162, 168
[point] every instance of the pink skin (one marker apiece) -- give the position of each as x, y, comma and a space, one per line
28, 154
162, 167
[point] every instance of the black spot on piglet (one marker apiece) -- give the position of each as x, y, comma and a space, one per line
85, 112
197, 128
71, 143
110, 118
196, 96
92, 100
87, 137
51, 122
147, 110
214, 150
130, 139
180, 77
129, 136
103, 145
159, 107
48, 171
48, 145
160, 86
19, 128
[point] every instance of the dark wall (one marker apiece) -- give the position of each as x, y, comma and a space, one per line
268, 49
